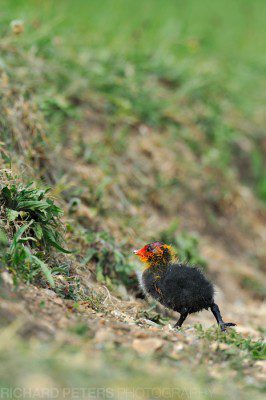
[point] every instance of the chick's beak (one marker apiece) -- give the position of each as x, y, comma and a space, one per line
137, 252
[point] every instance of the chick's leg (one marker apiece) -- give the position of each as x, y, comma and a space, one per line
183, 316
216, 312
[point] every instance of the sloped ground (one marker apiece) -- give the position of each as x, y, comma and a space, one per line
55, 343
136, 146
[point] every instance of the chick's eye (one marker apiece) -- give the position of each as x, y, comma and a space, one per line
150, 248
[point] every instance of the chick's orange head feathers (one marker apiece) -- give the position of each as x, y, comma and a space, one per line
154, 252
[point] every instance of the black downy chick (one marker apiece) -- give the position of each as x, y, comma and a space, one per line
176, 286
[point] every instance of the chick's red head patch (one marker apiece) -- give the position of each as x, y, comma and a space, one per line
154, 252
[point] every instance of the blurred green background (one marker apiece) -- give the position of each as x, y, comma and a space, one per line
209, 50
227, 29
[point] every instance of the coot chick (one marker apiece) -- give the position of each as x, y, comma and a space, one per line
179, 287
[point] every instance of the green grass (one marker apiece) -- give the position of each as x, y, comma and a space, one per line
255, 349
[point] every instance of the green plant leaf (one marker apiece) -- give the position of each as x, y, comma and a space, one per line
52, 241
58, 247
38, 230
33, 205
3, 238
46, 271
18, 235
11, 214
27, 239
